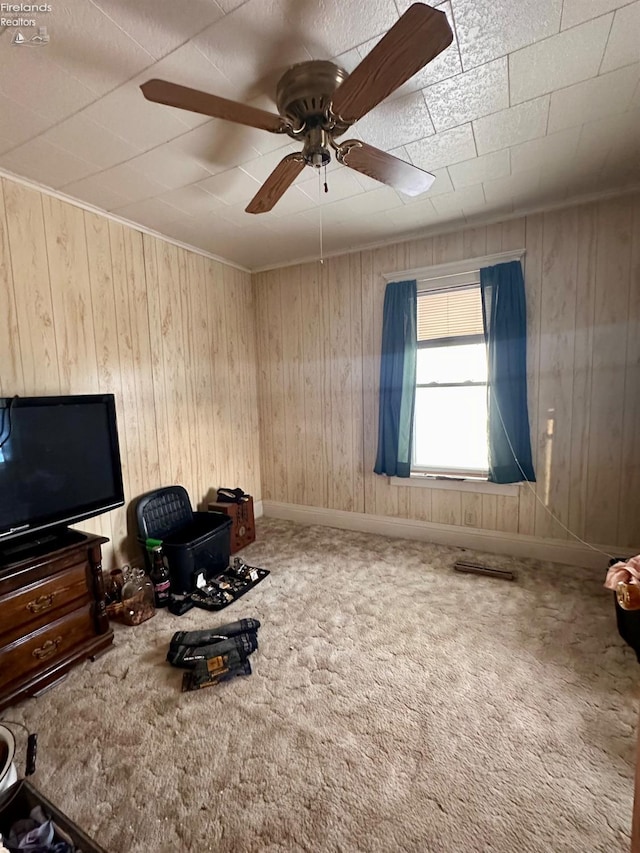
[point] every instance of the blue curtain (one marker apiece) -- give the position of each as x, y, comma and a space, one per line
397, 379
505, 328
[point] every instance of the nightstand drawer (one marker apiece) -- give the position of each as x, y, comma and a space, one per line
45, 646
27, 609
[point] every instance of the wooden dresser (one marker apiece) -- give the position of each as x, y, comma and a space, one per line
52, 614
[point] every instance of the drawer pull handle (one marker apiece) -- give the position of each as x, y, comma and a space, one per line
46, 650
43, 602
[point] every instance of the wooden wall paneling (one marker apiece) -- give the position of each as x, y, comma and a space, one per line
264, 389
608, 371
339, 285
532, 268
200, 361
558, 311
448, 247
471, 509
356, 399
582, 361
221, 473
71, 296
131, 462
327, 377
313, 375
629, 485
251, 361
421, 252
246, 400
370, 345
32, 289
146, 439
173, 361
188, 417
107, 357
384, 260
293, 391
156, 338
11, 375
236, 359
278, 403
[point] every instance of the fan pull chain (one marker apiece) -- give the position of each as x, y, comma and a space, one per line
320, 206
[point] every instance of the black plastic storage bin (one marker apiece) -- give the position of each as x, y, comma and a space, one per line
193, 542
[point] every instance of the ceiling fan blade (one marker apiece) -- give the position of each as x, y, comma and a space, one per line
173, 95
417, 38
383, 167
276, 184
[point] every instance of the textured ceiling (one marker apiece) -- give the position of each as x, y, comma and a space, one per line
535, 102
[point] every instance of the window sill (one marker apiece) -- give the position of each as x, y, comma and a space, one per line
481, 486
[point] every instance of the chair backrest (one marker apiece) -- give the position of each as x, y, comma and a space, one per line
163, 511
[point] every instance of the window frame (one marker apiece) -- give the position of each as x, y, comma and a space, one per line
475, 474
448, 275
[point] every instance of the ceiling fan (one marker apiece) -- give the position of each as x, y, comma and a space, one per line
318, 101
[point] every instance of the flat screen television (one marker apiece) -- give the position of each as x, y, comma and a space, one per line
59, 463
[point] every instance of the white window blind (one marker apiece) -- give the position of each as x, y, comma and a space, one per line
449, 313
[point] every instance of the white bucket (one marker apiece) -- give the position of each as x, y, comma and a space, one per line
8, 774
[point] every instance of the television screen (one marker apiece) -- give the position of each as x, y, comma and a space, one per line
59, 461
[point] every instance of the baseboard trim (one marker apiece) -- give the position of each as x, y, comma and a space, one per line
258, 509
492, 541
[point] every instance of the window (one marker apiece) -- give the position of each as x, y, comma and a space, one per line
450, 421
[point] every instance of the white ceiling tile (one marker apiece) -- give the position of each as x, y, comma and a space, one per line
577, 11
442, 184
443, 149
490, 28
230, 5
561, 60
601, 96
132, 184
192, 201
169, 165
128, 114
19, 123
605, 134
160, 27
341, 184
253, 46
92, 48
151, 212
231, 186
396, 122
457, 202
413, 216
97, 191
539, 153
509, 127
49, 165
217, 146
348, 60
486, 168
623, 47
30, 78
475, 93
329, 27
374, 201
93, 143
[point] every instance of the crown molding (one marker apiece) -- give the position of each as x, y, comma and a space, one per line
456, 225
83, 205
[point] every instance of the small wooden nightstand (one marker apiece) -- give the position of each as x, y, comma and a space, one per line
243, 526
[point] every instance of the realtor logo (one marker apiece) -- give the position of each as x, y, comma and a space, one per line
42, 37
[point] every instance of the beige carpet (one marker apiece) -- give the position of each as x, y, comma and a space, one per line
394, 706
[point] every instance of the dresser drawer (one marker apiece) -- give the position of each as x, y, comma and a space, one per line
44, 647
27, 609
